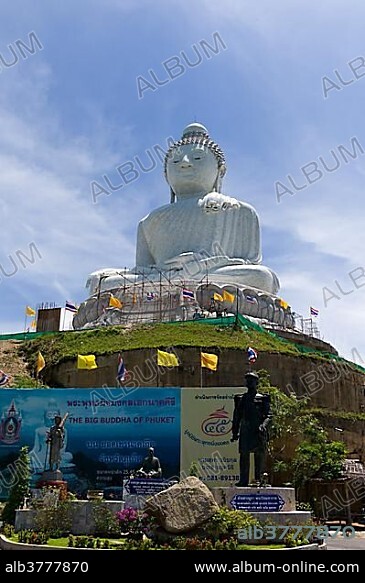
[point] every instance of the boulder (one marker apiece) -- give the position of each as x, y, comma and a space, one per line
182, 507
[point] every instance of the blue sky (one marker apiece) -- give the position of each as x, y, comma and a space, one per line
70, 113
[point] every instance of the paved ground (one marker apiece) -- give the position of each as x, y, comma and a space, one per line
340, 543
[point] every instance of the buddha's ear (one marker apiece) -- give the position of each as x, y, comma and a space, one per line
218, 181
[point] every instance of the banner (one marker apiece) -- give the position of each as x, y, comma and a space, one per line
206, 430
107, 431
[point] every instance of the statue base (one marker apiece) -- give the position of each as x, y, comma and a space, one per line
148, 301
52, 476
53, 479
270, 505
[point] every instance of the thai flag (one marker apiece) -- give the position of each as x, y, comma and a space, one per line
121, 374
3, 378
187, 293
71, 307
252, 355
150, 296
314, 312
250, 300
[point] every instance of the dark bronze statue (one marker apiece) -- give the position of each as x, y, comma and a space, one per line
55, 440
251, 420
151, 467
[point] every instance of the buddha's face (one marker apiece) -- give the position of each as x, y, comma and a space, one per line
191, 169
49, 416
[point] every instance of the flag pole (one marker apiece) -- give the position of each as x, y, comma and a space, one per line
201, 371
158, 371
25, 322
236, 321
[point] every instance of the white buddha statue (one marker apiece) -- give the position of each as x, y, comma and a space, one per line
201, 227
202, 235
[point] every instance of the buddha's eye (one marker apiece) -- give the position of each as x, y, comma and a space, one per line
176, 161
197, 157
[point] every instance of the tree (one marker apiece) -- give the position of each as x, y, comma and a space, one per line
315, 456
318, 457
20, 488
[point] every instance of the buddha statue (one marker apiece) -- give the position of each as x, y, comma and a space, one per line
201, 235
201, 227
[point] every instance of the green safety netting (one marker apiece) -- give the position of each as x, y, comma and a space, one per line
25, 335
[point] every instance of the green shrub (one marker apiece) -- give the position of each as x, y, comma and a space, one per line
32, 537
225, 523
20, 489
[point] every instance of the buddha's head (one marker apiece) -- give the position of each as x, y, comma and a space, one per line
194, 165
50, 412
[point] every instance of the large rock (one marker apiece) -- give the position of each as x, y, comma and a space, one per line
182, 507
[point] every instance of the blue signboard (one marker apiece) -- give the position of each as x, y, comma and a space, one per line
108, 431
257, 502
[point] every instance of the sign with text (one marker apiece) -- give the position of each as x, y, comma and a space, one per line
147, 487
257, 502
206, 431
108, 431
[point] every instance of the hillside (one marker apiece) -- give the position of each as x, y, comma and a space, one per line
13, 363
18, 358
61, 346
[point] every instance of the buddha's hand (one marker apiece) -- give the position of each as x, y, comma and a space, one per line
215, 202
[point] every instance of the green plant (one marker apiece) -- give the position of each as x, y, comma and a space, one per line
106, 523
318, 457
33, 537
54, 517
291, 541
20, 488
81, 542
25, 381
71, 540
8, 530
225, 523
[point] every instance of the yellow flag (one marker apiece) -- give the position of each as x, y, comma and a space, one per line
33, 324
134, 299
166, 359
29, 311
209, 360
86, 362
284, 304
40, 363
115, 303
218, 297
227, 297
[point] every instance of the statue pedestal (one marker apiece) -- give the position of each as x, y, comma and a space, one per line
53, 479
52, 476
273, 506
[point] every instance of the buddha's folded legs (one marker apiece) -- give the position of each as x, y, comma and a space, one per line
256, 276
